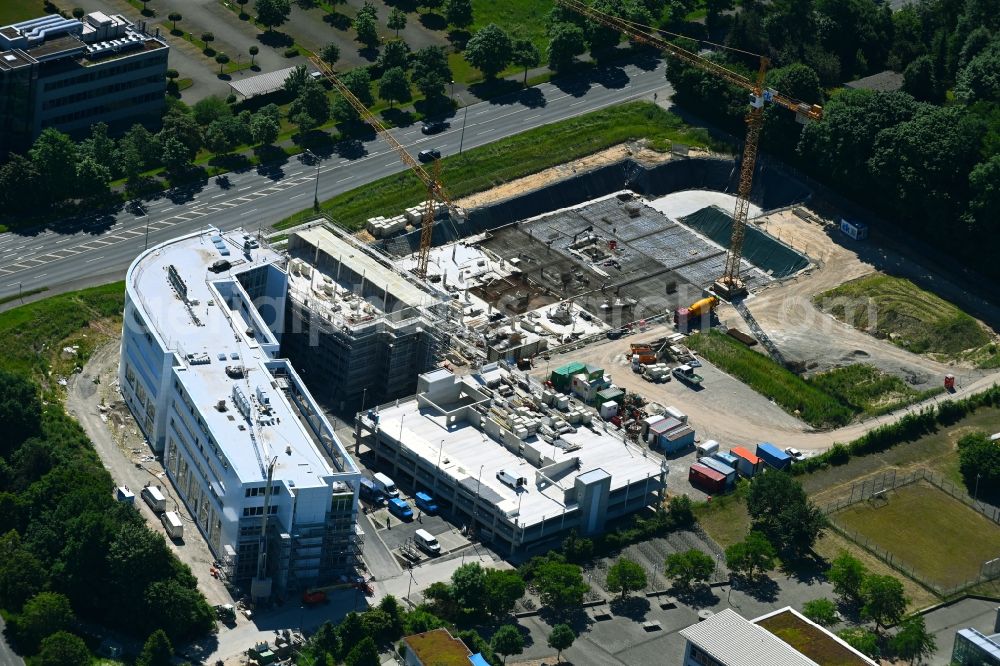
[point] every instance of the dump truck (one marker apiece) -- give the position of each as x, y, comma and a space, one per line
643, 353
686, 374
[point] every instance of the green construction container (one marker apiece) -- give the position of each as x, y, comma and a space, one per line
607, 394
562, 377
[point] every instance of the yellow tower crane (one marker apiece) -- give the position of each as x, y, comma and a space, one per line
729, 285
435, 190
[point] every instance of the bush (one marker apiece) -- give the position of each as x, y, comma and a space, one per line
821, 611
291, 52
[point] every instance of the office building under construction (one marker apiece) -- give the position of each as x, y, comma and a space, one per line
358, 329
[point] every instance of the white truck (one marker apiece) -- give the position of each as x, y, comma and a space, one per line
386, 485
152, 496
173, 525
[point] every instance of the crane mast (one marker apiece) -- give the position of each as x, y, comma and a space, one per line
435, 190
729, 285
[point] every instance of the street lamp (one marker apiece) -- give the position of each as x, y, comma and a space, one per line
975, 495
19, 297
316, 192
461, 139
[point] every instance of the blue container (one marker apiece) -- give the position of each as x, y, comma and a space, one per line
773, 456
727, 458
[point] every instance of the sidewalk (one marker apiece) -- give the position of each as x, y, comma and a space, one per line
402, 587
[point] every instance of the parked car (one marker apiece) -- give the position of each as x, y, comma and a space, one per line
433, 127
429, 155
795, 454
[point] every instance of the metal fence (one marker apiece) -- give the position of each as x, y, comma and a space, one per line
876, 486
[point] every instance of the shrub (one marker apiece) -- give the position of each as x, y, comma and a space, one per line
291, 52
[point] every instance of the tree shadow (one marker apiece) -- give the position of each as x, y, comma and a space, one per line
533, 98
186, 189
761, 588
575, 86
316, 140
337, 21
270, 154
433, 106
809, 569
408, 6
307, 4
459, 38
275, 39
369, 53
231, 162
273, 172
701, 596
433, 21
497, 91
225, 77
634, 608
350, 149
611, 77
398, 117
576, 618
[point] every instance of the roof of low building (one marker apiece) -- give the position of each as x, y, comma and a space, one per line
261, 84
732, 639
438, 648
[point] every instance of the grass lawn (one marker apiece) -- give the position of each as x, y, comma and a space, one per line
485, 167
936, 451
937, 536
34, 334
912, 318
725, 519
12, 11
793, 393
525, 18
868, 390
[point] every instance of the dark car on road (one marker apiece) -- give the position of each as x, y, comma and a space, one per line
433, 127
429, 155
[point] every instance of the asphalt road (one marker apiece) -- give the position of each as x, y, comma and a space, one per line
7, 655
257, 198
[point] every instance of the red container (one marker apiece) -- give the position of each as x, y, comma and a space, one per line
706, 479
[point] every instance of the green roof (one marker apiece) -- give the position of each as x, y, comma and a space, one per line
570, 369
810, 640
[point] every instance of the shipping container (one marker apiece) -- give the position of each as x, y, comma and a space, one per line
727, 458
721, 468
773, 456
706, 478
854, 229
123, 494
676, 413
707, 448
647, 423
677, 439
608, 409
747, 464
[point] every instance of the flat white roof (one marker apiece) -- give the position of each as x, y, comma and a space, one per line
464, 450
211, 329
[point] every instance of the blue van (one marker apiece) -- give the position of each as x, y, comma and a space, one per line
370, 493
400, 509
426, 503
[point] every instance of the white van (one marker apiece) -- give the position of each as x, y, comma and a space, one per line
386, 485
511, 480
154, 498
426, 542
706, 449
173, 525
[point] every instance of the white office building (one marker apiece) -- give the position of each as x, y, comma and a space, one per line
518, 466
199, 370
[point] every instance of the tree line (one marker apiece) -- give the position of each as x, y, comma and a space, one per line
927, 156
69, 553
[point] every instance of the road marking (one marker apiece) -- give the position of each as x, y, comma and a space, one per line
62, 240
254, 210
219, 195
344, 179
582, 101
92, 260
298, 195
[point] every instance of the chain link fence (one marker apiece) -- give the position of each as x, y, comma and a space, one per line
876, 487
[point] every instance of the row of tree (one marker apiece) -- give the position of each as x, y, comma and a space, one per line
69, 552
933, 169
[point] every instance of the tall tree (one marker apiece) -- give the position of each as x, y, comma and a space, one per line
752, 555
44, 614
22, 575
312, 101
174, 17
330, 54
821, 611
689, 566
468, 585
560, 585
397, 20
55, 157
431, 72
458, 12
524, 54
359, 82
157, 651
264, 129
367, 29
507, 641
565, 43
91, 179
20, 191
779, 509
272, 13
919, 79
625, 576
847, 573
63, 649
561, 638
395, 53
253, 50
502, 591
222, 59
489, 50
883, 600
20, 409
364, 653
394, 86
913, 642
